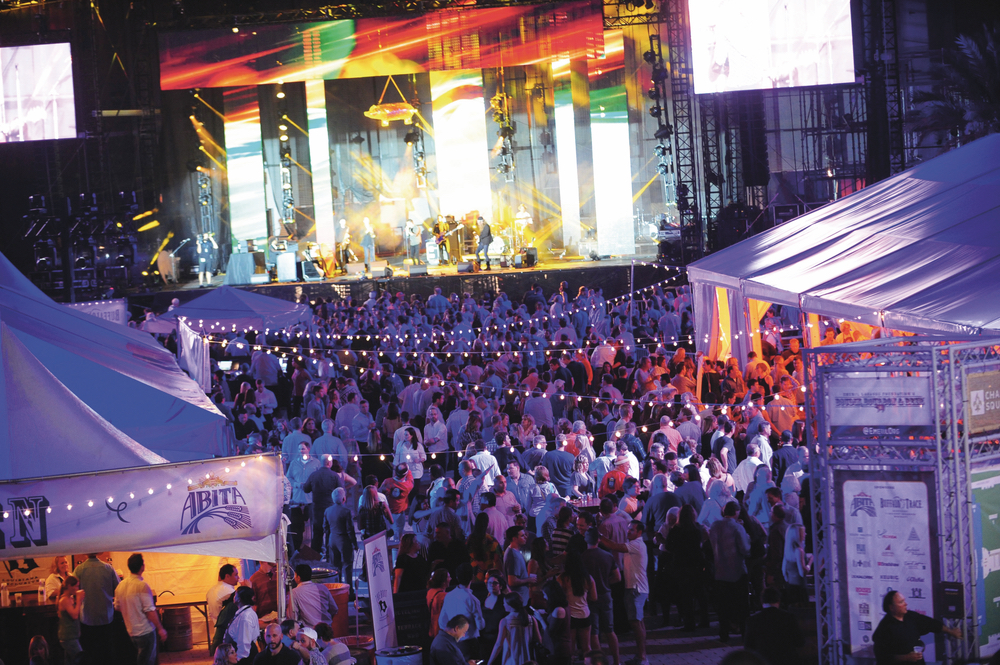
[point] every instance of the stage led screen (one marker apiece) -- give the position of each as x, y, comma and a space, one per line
245, 164
759, 44
440, 40
37, 92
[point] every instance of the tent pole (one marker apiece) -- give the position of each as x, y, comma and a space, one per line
280, 553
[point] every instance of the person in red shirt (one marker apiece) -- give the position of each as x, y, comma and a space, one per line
397, 494
614, 480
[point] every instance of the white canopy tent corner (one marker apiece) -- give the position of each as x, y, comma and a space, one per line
226, 307
918, 252
121, 373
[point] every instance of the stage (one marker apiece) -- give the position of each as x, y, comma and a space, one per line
613, 276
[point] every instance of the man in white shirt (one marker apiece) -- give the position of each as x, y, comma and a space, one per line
435, 432
636, 582
763, 441
267, 402
485, 461
743, 475
229, 576
244, 629
134, 599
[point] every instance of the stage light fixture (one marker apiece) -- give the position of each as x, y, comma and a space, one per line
656, 111
356, 139
653, 93
411, 137
506, 132
283, 137
660, 150
664, 132
649, 56
283, 128
648, 4
280, 95
662, 168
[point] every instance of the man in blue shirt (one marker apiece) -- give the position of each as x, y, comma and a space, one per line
460, 602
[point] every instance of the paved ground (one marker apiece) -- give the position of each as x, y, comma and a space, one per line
664, 646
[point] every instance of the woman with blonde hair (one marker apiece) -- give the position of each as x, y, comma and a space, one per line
58, 573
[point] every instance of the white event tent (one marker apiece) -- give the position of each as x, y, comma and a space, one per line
225, 307
121, 373
918, 252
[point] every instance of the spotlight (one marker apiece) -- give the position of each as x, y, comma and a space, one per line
648, 4
660, 150
283, 137
506, 132
235, 29
280, 95
283, 128
649, 56
356, 139
664, 132
654, 93
411, 137
656, 111
662, 168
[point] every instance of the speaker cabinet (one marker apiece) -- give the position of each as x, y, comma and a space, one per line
418, 270
355, 268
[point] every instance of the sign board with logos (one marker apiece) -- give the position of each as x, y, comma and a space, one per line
876, 405
889, 542
982, 392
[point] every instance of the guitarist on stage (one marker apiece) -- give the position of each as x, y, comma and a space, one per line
485, 238
441, 235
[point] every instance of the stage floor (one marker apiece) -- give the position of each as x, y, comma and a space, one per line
614, 276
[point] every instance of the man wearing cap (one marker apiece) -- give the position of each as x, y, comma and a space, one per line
782, 458
307, 648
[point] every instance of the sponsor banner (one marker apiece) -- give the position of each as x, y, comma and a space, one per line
877, 406
887, 526
378, 563
141, 508
115, 311
986, 527
982, 393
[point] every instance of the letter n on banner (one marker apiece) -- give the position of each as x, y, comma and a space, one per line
378, 562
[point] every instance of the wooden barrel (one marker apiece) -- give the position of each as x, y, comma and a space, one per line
341, 594
362, 648
177, 623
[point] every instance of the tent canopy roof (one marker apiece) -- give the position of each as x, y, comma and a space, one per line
922, 248
225, 307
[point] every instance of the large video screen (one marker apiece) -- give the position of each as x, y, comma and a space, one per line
759, 44
37, 91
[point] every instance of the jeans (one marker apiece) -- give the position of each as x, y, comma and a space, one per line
369, 254
73, 651
413, 252
483, 247
146, 646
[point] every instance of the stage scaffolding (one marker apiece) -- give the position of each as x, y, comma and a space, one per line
949, 453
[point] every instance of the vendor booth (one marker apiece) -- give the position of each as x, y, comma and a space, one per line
227, 308
72, 483
918, 252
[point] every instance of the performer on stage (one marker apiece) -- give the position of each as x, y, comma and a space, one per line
413, 236
206, 247
368, 244
485, 238
441, 238
342, 236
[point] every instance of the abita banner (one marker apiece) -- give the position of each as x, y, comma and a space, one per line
141, 508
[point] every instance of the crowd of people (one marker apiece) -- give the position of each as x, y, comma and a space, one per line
544, 467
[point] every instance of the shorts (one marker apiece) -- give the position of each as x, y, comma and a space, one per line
634, 604
602, 616
579, 624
